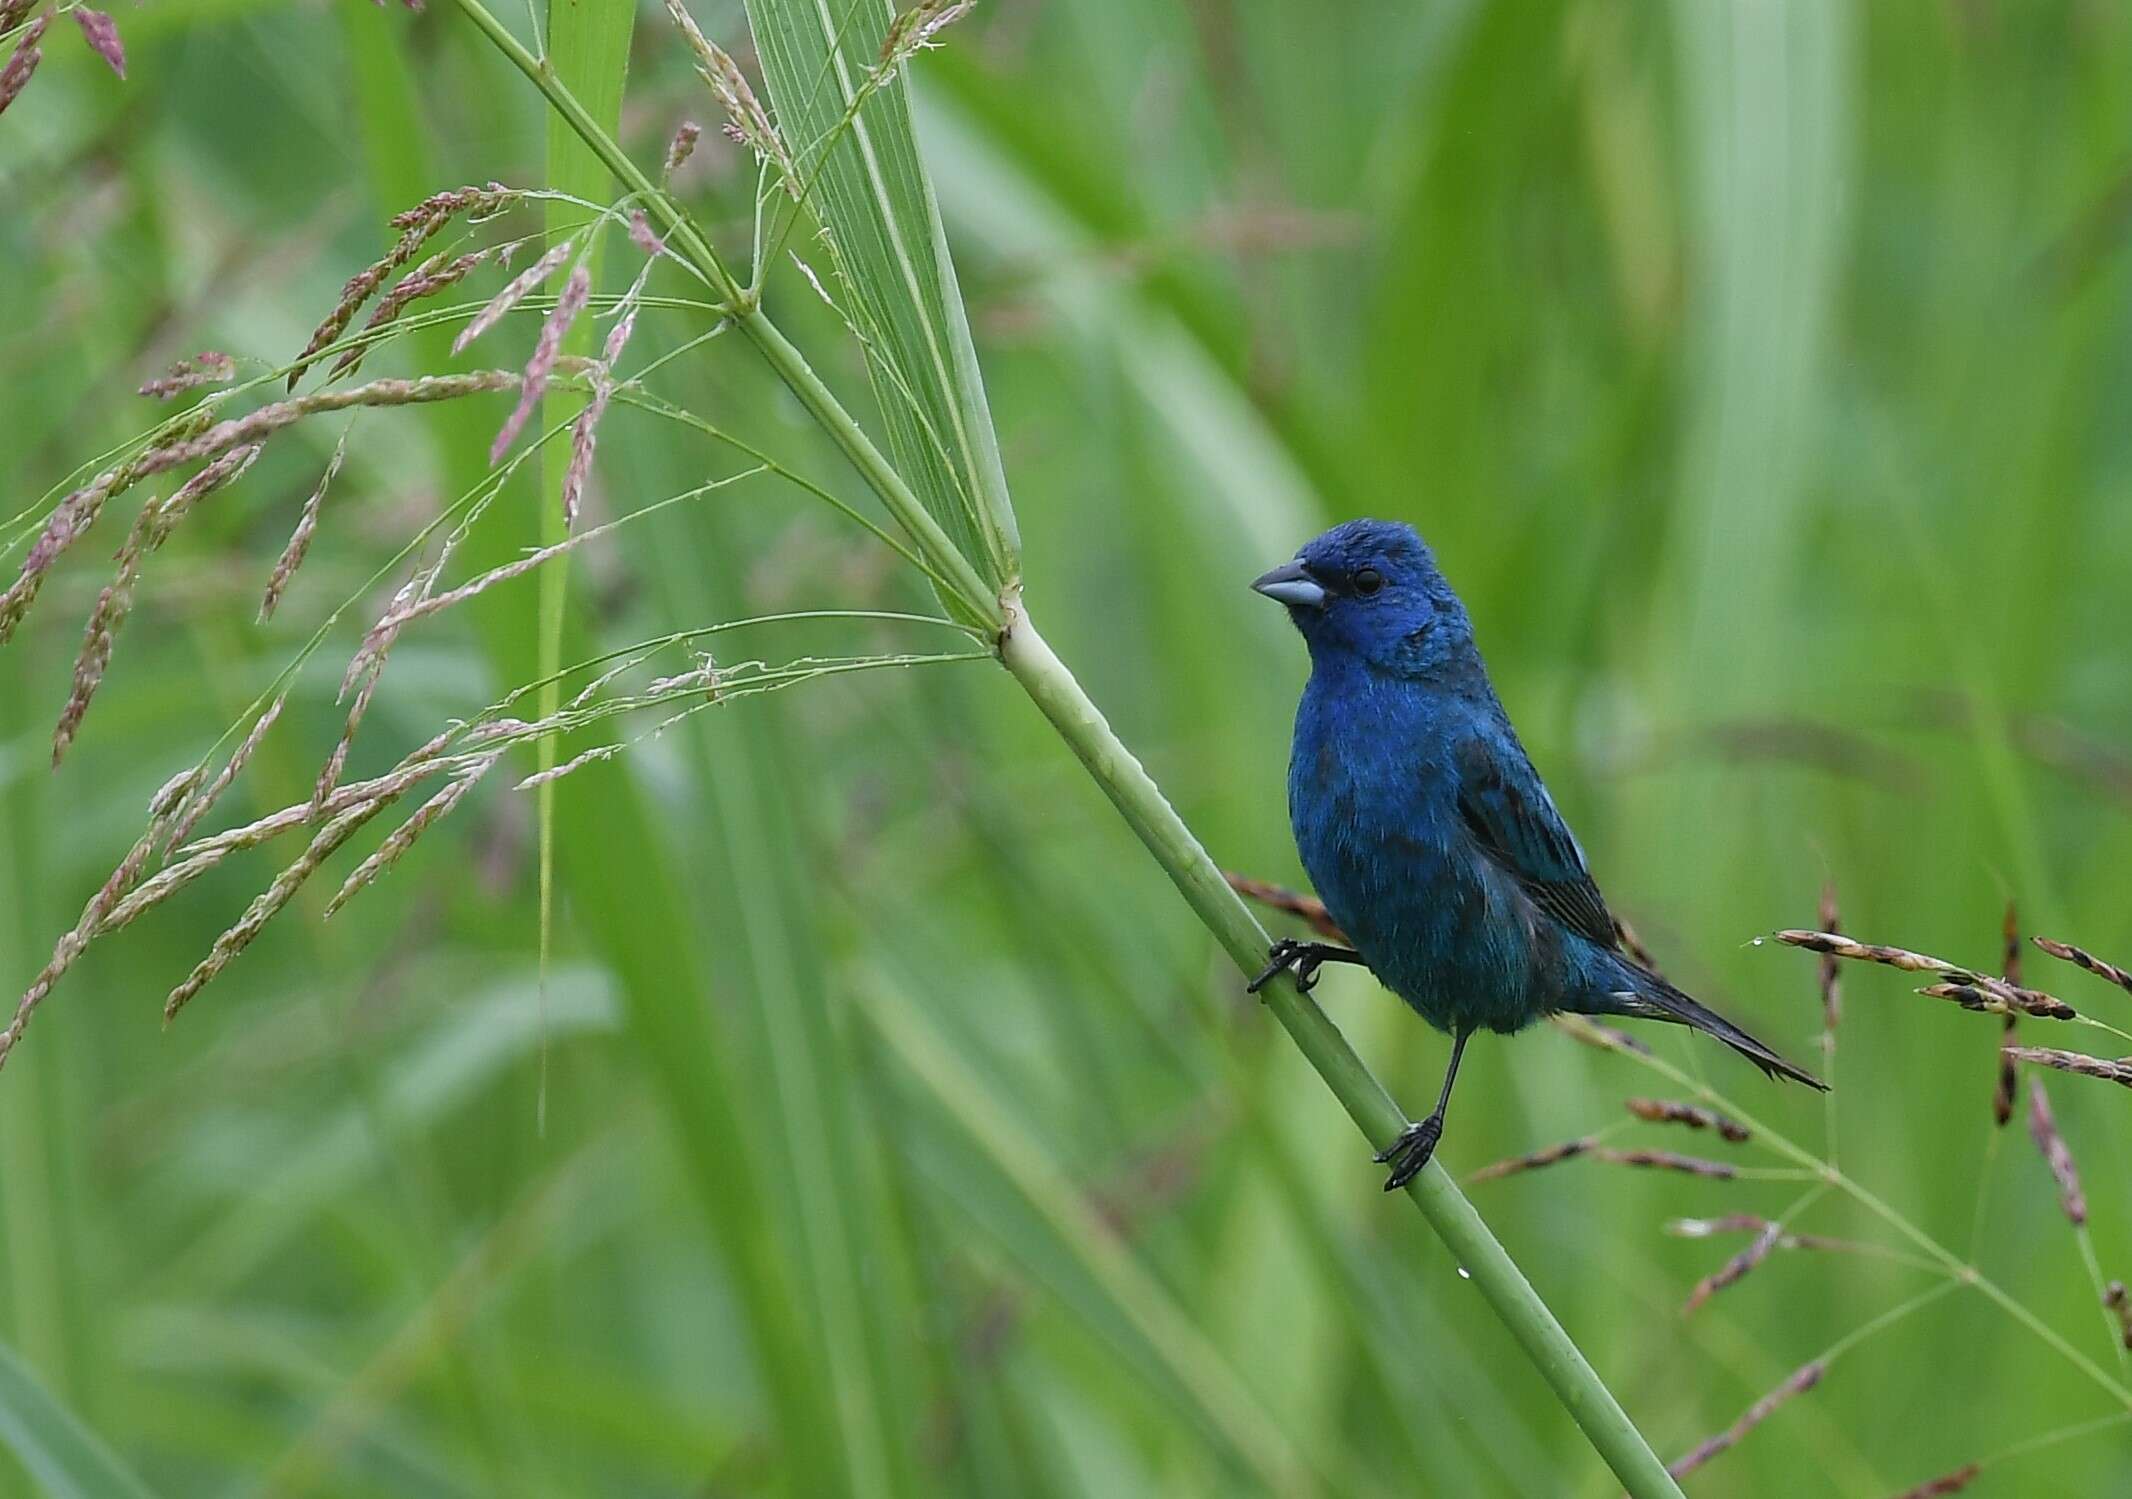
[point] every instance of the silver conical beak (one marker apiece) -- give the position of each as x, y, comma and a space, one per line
1291, 584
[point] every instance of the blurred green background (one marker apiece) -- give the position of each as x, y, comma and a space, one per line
1758, 371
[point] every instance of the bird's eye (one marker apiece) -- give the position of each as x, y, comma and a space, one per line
1367, 581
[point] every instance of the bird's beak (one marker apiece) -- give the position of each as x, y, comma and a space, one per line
1291, 584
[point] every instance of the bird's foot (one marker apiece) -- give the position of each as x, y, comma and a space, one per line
1286, 954
1303, 960
1411, 1151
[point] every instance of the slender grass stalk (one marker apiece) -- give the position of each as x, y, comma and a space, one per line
1081, 724
1059, 696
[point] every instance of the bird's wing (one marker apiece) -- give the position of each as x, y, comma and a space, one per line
1513, 820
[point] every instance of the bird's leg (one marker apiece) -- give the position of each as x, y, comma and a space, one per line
1417, 1142
1304, 958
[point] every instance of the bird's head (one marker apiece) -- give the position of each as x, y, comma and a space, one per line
1370, 589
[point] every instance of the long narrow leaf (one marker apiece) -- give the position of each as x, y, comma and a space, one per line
870, 188
62, 1454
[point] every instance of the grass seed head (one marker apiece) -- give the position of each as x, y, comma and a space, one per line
1734, 1269
208, 367
426, 280
101, 33
747, 122
2115, 1298
1945, 1484
1802, 1379
299, 543
2118, 1071
2043, 1129
515, 291
1663, 1111
1533, 1161
681, 148
2081, 958
22, 62
534, 383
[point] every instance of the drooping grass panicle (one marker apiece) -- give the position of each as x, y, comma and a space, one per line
1965, 986
417, 226
747, 122
1589, 1146
516, 290
1946, 1483
202, 802
576, 292
1735, 1269
101, 33
163, 808
208, 367
2043, 1129
2081, 958
22, 62
1666, 1160
2117, 1071
1662, 1111
270, 901
156, 522
1534, 1160
1797, 1383
299, 543
403, 837
584, 431
432, 276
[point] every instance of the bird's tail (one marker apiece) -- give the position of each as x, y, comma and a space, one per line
1656, 999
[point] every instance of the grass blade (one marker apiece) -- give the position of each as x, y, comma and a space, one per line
62, 1454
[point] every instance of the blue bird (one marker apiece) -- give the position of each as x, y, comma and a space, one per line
1428, 834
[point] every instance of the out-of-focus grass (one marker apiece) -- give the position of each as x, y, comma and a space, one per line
1752, 369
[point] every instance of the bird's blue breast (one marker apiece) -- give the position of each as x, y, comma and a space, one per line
1373, 798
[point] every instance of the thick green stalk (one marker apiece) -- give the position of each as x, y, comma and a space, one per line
1136, 796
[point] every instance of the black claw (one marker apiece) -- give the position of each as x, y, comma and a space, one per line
1282, 954
1412, 1151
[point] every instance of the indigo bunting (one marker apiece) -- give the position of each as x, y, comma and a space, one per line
1428, 833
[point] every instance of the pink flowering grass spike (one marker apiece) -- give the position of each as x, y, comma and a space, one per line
101, 33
